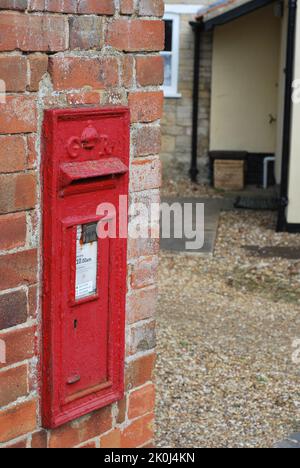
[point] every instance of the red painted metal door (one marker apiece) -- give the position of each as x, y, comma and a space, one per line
85, 164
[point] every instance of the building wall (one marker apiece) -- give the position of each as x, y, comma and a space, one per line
177, 119
116, 50
245, 83
293, 211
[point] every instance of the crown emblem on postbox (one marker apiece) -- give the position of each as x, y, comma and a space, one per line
88, 141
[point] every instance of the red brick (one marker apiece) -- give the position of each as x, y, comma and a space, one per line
54, 6
18, 269
96, 7
141, 338
13, 5
13, 384
38, 67
147, 141
17, 192
89, 445
146, 106
13, 71
13, 309
121, 410
141, 401
127, 7
31, 152
39, 440
13, 231
22, 444
89, 98
146, 174
78, 72
136, 35
30, 33
140, 371
138, 432
12, 154
17, 421
86, 32
150, 71
79, 431
33, 300
128, 66
141, 305
20, 345
144, 272
111, 440
151, 8
18, 115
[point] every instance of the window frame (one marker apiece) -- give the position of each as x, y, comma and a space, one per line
172, 91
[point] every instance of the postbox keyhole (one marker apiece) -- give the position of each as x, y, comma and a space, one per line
75, 324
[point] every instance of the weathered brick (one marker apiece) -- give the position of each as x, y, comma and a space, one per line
150, 70
138, 432
13, 71
121, 416
147, 141
141, 305
20, 345
111, 440
86, 32
18, 269
79, 431
151, 8
89, 445
77, 72
33, 300
13, 5
38, 67
12, 154
13, 384
17, 192
128, 66
17, 421
140, 371
13, 309
13, 231
136, 35
18, 115
144, 272
39, 440
96, 7
127, 7
146, 174
141, 401
88, 98
141, 338
22, 444
54, 6
31, 152
30, 33
146, 106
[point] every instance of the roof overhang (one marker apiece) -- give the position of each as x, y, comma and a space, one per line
225, 11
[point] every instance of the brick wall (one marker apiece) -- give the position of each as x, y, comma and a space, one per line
60, 53
177, 121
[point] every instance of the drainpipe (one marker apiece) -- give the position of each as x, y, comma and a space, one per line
196, 26
286, 147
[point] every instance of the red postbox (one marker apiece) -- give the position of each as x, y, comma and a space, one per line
85, 164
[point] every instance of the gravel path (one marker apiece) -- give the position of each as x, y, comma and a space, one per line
226, 326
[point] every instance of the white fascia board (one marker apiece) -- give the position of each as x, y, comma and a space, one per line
184, 9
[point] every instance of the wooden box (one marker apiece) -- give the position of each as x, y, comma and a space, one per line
229, 174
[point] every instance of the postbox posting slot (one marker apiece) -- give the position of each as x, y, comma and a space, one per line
77, 173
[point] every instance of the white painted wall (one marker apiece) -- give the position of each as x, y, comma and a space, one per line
293, 211
245, 83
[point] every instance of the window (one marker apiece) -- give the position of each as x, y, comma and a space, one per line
171, 55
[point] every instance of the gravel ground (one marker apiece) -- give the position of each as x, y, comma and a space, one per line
226, 326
